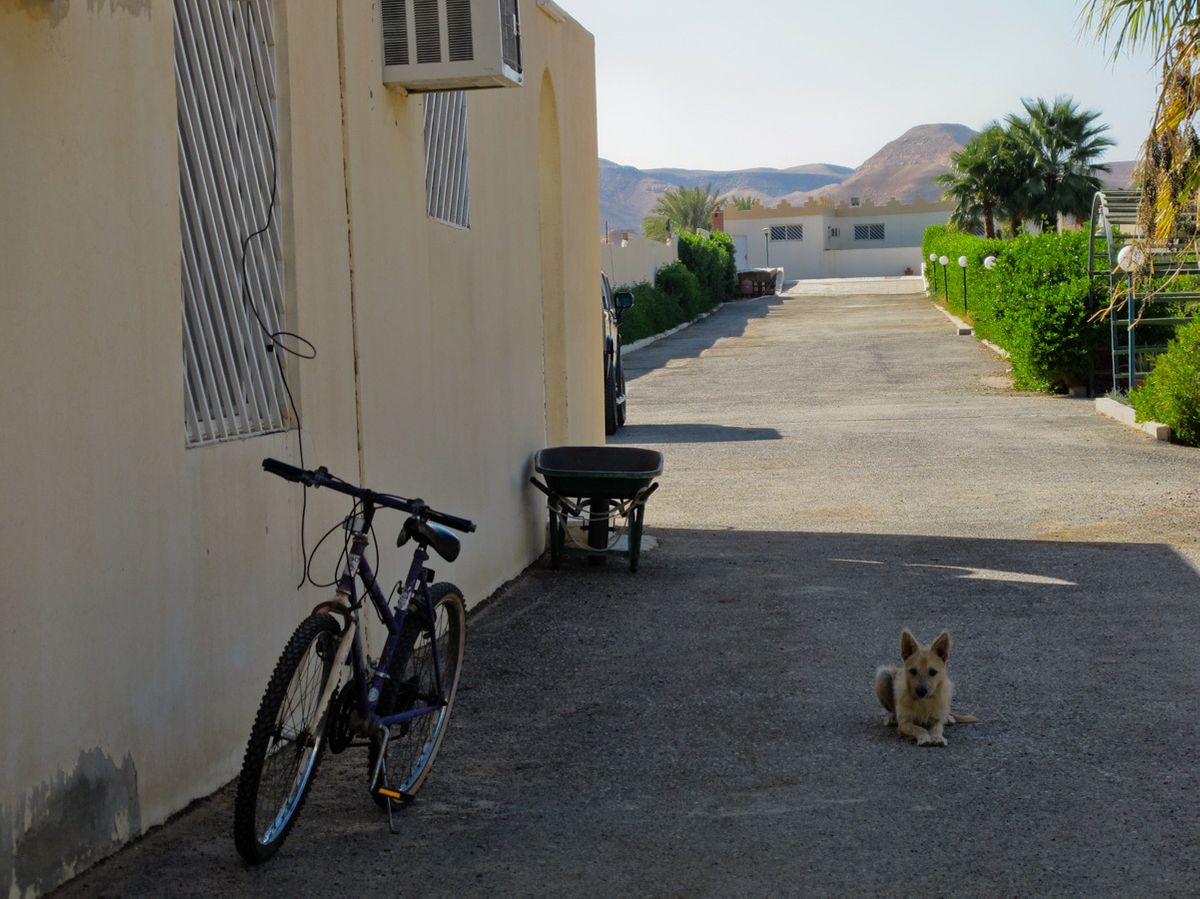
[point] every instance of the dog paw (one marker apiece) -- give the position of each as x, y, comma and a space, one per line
929, 740
889, 721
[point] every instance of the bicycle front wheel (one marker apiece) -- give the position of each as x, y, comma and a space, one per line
286, 741
413, 745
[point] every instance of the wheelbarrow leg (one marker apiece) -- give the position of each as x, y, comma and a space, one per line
557, 536
598, 529
635, 535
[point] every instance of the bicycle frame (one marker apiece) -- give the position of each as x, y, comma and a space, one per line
347, 604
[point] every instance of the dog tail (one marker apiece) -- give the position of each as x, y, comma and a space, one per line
962, 717
884, 690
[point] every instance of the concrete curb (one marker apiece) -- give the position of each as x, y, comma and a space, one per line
1126, 415
964, 330
998, 350
654, 338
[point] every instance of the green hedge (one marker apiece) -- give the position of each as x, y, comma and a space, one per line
712, 260
673, 298
1171, 392
703, 276
1035, 303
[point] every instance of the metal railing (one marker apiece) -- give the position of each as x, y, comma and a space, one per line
1139, 325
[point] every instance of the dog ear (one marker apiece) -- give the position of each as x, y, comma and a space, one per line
908, 644
941, 646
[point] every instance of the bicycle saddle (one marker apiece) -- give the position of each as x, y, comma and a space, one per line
441, 539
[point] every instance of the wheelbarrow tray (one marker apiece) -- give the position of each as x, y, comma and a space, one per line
612, 472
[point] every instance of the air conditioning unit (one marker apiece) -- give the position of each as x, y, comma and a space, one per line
439, 45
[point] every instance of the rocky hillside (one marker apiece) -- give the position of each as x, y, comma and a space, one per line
627, 194
904, 168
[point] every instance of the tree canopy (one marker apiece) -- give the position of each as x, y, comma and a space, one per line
1065, 145
1033, 166
1170, 165
681, 209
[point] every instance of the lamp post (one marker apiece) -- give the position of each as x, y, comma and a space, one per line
932, 260
943, 261
1130, 259
962, 263
767, 244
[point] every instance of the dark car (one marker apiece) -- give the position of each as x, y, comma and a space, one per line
614, 305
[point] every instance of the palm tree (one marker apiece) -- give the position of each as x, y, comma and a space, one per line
987, 178
683, 209
743, 203
1170, 164
1066, 144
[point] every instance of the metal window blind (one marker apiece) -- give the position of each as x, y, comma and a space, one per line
510, 34
225, 85
447, 182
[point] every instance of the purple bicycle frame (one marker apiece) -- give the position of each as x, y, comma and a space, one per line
416, 588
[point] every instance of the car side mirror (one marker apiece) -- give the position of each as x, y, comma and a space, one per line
623, 300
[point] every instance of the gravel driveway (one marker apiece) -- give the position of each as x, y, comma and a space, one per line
838, 465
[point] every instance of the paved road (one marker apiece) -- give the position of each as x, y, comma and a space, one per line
839, 465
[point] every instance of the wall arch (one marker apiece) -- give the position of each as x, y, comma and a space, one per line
550, 217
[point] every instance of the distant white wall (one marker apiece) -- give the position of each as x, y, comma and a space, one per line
887, 242
904, 230
872, 263
632, 258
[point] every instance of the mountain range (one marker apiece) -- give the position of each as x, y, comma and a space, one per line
903, 168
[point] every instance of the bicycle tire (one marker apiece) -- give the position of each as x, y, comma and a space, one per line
413, 745
274, 780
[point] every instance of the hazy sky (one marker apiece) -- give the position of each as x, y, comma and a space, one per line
723, 85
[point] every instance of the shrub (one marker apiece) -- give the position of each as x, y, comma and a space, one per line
711, 259
1035, 303
679, 283
729, 269
677, 294
653, 312
1171, 393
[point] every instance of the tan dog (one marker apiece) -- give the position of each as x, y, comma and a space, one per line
917, 696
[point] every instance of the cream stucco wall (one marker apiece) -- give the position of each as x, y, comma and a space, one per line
629, 258
150, 587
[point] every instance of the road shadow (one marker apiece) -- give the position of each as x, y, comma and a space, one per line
690, 433
707, 727
724, 692
728, 320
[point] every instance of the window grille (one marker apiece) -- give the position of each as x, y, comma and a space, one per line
787, 232
225, 88
868, 232
447, 184
510, 34
835, 232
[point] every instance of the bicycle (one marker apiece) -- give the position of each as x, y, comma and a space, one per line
398, 707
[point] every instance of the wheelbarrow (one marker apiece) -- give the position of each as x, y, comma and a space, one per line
598, 484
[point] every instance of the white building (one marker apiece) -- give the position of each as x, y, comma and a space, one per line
822, 240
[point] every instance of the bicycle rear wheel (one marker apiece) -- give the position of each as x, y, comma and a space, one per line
413, 745
286, 741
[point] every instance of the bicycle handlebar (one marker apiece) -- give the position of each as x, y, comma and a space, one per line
321, 477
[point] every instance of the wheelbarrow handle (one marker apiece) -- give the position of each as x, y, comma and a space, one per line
555, 499
645, 494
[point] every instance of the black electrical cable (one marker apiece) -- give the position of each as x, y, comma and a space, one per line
276, 338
